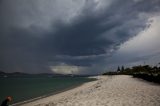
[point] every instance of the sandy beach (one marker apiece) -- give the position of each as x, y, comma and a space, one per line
120, 90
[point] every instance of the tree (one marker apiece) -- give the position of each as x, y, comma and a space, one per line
118, 70
122, 69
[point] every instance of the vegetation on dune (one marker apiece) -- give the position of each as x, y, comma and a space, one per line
146, 72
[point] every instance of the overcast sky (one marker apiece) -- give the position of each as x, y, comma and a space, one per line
78, 36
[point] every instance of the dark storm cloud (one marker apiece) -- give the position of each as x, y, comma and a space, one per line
95, 35
86, 40
19, 52
81, 38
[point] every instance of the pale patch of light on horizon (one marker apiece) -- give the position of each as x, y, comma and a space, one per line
65, 69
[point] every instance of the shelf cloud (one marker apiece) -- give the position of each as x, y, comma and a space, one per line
82, 35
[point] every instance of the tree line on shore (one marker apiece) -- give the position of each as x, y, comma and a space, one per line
146, 72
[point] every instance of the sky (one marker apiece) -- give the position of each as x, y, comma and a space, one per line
78, 36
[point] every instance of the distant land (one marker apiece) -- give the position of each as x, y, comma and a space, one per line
21, 74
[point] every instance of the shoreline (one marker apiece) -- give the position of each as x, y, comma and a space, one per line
58, 94
44, 96
51, 94
116, 90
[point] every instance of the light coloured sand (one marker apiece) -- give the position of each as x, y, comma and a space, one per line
119, 90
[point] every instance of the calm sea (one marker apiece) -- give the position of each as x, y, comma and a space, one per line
22, 89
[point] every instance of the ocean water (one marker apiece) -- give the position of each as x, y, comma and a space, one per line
22, 89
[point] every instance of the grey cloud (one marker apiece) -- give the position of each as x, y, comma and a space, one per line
91, 32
